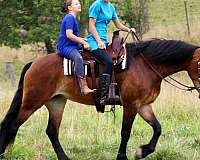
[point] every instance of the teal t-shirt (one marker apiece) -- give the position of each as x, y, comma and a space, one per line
103, 13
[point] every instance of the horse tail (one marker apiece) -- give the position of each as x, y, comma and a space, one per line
17, 100
7, 128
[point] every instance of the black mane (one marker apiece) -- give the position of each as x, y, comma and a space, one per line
162, 51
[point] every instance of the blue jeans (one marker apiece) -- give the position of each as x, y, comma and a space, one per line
102, 55
78, 60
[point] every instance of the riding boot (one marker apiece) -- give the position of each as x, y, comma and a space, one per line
83, 86
104, 85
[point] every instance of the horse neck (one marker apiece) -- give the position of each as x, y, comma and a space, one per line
166, 70
159, 70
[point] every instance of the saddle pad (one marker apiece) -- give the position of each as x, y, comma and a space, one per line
124, 62
68, 65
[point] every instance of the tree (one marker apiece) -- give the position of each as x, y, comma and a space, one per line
35, 21
135, 13
29, 21
84, 19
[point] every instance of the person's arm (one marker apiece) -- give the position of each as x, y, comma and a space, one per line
72, 37
119, 25
93, 30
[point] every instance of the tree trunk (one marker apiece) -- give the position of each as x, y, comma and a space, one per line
83, 19
11, 73
49, 46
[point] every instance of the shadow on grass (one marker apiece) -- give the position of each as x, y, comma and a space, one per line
166, 154
107, 152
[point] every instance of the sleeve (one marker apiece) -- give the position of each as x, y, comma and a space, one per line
94, 10
69, 23
114, 15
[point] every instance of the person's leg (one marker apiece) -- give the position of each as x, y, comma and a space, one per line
79, 71
102, 55
78, 60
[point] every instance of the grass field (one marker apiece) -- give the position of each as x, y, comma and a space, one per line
86, 135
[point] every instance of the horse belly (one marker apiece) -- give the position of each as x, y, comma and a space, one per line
68, 87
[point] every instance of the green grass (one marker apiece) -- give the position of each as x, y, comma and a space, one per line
170, 12
168, 20
86, 135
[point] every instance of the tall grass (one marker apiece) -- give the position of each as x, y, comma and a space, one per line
86, 135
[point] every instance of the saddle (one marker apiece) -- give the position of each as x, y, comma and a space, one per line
117, 52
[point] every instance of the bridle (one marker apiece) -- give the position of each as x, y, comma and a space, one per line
186, 87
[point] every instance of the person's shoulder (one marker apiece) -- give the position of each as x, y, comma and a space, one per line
95, 4
69, 17
112, 6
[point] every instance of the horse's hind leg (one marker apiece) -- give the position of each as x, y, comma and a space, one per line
10, 126
56, 107
147, 114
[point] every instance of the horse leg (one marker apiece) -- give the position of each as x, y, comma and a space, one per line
56, 107
147, 114
129, 114
10, 126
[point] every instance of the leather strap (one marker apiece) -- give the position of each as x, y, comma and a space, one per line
94, 86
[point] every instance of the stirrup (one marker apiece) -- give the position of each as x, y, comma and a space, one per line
104, 100
111, 101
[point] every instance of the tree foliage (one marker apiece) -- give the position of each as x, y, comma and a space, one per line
135, 13
29, 21
34, 21
83, 19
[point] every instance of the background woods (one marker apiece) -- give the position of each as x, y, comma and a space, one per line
38, 22
33, 21
135, 13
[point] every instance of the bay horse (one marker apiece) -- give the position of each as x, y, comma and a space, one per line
42, 83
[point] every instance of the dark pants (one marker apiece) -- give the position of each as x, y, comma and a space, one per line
102, 55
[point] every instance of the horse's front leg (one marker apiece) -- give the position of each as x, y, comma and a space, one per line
129, 113
56, 107
147, 114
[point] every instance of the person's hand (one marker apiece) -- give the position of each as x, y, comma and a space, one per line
132, 30
101, 45
84, 39
86, 46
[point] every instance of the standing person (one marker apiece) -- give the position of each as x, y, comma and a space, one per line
101, 12
69, 43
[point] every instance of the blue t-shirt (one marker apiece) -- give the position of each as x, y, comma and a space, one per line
103, 13
64, 44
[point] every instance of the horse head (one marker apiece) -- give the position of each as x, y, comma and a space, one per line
193, 69
117, 41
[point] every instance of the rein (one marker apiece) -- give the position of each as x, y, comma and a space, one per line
187, 88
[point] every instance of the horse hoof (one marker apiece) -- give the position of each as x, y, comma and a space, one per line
63, 158
138, 154
122, 157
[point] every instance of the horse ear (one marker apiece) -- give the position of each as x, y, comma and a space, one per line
122, 40
116, 33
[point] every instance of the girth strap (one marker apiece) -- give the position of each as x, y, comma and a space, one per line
94, 86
